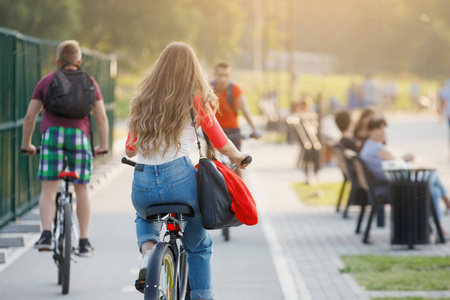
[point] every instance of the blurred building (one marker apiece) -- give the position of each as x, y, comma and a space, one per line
304, 62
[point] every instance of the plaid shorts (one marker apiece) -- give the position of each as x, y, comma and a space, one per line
59, 143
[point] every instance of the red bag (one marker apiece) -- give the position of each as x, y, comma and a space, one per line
243, 204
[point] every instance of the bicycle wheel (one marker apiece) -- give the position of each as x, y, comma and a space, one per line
159, 282
58, 239
67, 248
183, 285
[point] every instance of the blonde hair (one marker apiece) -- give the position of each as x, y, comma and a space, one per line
161, 108
68, 52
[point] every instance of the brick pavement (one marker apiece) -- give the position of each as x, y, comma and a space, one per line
312, 239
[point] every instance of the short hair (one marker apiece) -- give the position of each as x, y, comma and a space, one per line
68, 52
343, 119
376, 123
223, 65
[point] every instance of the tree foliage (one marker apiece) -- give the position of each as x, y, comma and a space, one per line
136, 30
365, 35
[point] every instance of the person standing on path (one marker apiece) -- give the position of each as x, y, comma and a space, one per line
66, 133
231, 100
161, 133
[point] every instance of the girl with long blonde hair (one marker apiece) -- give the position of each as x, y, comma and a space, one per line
161, 135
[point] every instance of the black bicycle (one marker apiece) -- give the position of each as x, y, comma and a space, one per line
65, 234
167, 271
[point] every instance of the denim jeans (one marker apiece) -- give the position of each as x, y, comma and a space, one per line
437, 190
175, 182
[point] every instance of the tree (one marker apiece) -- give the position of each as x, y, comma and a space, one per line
47, 19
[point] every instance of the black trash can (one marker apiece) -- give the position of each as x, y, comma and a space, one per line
411, 206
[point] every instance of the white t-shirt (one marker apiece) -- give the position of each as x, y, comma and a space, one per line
187, 138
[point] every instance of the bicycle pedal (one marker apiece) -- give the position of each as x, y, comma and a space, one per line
140, 285
45, 250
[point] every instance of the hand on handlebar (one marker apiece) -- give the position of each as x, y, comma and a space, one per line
242, 162
100, 151
256, 134
28, 150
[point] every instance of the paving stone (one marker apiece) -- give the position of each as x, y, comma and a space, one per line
7, 241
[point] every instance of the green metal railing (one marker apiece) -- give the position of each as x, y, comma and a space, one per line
23, 61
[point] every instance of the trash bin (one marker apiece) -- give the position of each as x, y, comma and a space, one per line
411, 206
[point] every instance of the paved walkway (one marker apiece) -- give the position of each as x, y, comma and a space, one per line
293, 253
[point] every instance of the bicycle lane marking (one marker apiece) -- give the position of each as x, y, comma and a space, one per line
291, 281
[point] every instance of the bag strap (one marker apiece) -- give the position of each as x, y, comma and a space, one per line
193, 123
230, 97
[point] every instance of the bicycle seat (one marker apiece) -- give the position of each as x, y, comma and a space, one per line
71, 174
164, 209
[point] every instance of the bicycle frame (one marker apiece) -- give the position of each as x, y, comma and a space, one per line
63, 197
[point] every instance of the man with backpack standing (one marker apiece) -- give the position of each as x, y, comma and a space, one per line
67, 95
231, 100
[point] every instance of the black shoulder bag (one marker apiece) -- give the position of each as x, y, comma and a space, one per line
213, 197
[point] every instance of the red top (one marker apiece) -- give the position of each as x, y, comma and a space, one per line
212, 129
49, 119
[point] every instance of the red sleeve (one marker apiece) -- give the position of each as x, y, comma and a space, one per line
129, 145
98, 92
211, 126
41, 87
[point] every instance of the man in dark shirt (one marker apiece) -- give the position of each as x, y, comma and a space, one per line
64, 138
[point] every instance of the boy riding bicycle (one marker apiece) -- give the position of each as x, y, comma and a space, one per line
231, 100
67, 96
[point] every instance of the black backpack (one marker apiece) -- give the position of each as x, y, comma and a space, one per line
71, 94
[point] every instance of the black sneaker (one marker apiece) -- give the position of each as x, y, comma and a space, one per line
85, 248
45, 241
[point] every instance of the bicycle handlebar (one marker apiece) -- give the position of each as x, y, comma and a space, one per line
241, 136
38, 151
129, 162
132, 163
246, 160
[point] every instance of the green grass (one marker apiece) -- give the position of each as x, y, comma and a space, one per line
324, 193
329, 85
389, 273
